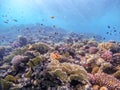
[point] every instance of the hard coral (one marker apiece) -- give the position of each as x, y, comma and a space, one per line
103, 79
2, 52
107, 56
55, 56
42, 48
93, 50
109, 46
18, 59
68, 72
116, 59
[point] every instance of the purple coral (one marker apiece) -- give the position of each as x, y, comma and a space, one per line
103, 79
18, 59
15, 44
93, 50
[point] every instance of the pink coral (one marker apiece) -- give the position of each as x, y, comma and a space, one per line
107, 56
103, 79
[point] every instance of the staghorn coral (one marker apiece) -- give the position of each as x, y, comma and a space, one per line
103, 79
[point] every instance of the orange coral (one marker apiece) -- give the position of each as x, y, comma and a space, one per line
55, 56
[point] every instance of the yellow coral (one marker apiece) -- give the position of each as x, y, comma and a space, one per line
35, 61
59, 73
10, 78
107, 46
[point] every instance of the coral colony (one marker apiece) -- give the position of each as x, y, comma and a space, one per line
83, 64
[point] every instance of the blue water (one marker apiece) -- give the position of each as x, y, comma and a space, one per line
92, 16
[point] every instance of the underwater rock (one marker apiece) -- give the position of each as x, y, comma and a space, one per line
22, 40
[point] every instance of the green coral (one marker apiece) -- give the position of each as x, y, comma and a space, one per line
5, 84
59, 73
40, 47
68, 72
10, 78
35, 61
8, 58
21, 51
29, 73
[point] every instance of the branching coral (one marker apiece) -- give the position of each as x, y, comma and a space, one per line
103, 79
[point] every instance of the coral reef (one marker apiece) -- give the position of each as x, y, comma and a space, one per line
107, 56
105, 80
22, 40
2, 52
80, 64
69, 72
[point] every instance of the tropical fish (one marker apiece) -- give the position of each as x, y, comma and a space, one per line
15, 20
52, 17
6, 21
108, 26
